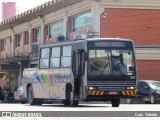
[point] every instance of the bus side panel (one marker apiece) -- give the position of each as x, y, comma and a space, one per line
54, 83
48, 83
37, 89
39, 92
67, 78
41, 85
62, 90
58, 80
39, 80
27, 79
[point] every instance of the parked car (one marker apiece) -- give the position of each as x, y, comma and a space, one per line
18, 95
148, 91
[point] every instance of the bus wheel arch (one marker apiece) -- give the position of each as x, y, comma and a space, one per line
27, 87
68, 88
30, 95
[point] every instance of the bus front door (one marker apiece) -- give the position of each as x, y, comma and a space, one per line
77, 70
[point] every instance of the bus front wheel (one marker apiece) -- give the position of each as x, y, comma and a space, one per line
31, 99
115, 102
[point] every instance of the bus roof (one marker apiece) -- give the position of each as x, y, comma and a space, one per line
69, 42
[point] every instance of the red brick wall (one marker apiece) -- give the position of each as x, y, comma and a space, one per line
140, 25
25, 50
143, 26
148, 69
8, 50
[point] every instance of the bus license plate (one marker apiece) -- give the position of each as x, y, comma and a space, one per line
113, 93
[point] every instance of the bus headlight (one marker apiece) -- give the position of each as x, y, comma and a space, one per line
92, 88
131, 88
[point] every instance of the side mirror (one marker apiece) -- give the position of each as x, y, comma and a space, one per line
146, 87
131, 68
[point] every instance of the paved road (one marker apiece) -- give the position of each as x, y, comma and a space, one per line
84, 107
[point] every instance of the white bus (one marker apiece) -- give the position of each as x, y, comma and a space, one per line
83, 70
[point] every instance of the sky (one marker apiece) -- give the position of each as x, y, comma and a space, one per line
23, 5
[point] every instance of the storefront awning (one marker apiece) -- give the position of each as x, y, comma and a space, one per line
9, 67
13, 59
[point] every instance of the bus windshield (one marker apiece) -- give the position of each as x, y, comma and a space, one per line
111, 62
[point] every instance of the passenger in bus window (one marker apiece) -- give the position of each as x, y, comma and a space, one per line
93, 66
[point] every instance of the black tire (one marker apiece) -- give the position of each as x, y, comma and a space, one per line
70, 98
23, 102
30, 96
39, 101
66, 102
146, 102
115, 102
73, 103
153, 99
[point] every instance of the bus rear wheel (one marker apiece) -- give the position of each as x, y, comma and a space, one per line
23, 101
115, 102
66, 102
30, 97
73, 102
39, 101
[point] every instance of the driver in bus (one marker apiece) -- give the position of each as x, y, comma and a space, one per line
116, 63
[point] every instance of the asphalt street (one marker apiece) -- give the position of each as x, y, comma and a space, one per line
85, 110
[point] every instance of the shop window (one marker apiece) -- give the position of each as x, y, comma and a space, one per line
19, 40
36, 34
82, 21
26, 37
4, 44
56, 29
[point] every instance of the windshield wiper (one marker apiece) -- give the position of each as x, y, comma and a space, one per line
108, 63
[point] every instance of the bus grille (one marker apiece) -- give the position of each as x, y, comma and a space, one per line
111, 85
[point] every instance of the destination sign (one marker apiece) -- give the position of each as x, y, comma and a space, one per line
109, 44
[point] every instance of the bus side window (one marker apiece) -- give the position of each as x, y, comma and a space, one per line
44, 58
55, 57
66, 56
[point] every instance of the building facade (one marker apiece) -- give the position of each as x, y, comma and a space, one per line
8, 10
61, 20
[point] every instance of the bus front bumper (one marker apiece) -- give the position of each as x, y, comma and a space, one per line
122, 94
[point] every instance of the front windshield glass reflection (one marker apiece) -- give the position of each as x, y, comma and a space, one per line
108, 62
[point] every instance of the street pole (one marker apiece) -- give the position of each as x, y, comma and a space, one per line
105, 23
9, 80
